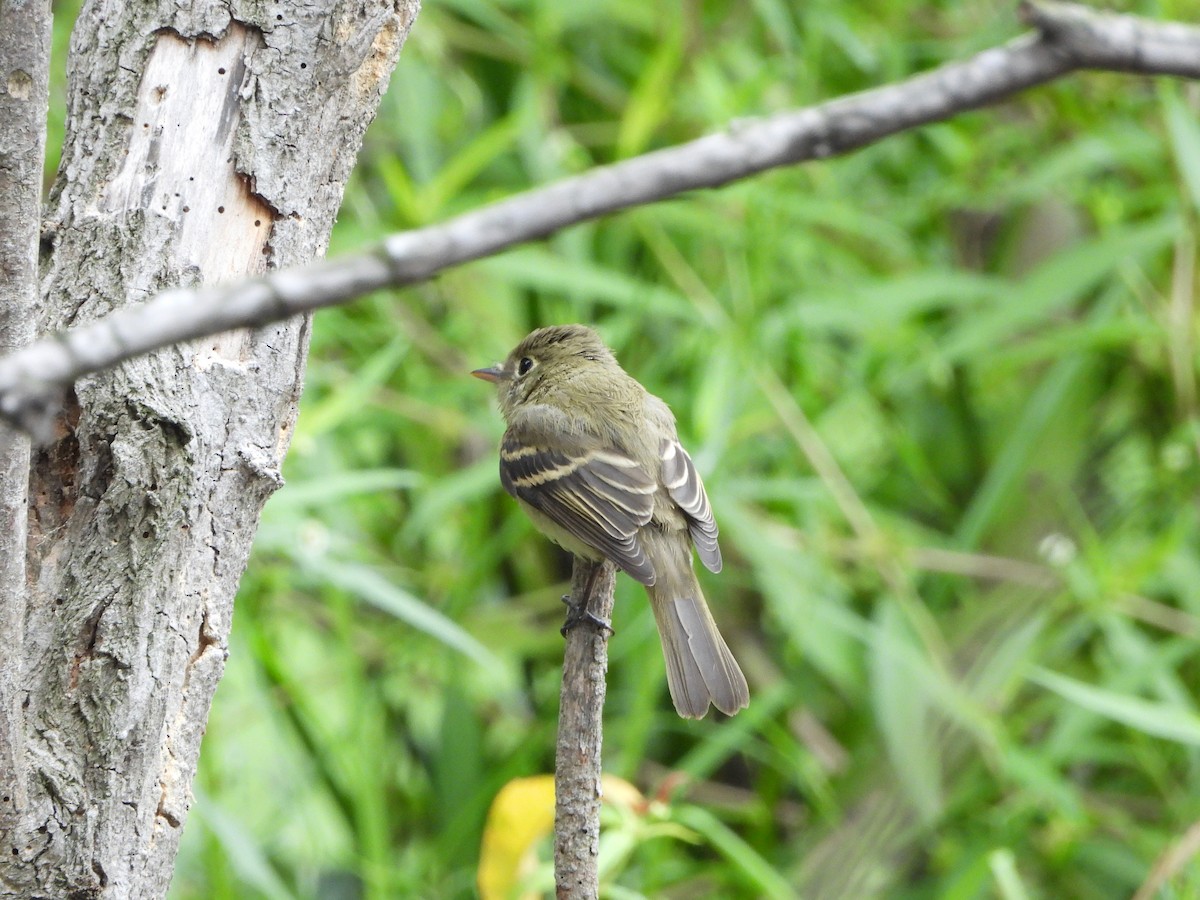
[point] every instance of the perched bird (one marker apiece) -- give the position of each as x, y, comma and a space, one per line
595, 461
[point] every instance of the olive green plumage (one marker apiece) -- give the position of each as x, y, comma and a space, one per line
595, 461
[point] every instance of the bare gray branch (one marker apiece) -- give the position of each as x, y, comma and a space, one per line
580, 736
1069, 38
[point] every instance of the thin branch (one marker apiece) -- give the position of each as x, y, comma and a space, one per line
1170, 863
1068, 38
577, 757
25, 65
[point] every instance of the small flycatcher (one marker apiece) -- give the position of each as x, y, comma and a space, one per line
595, 461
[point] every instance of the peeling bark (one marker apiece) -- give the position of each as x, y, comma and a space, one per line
204, 144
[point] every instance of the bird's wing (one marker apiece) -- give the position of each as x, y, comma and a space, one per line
599, 496
683, 484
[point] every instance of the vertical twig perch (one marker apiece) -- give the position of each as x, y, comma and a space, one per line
577, 758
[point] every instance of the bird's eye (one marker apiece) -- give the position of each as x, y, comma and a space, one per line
524, 365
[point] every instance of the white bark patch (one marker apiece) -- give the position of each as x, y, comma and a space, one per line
180, 167
19, 84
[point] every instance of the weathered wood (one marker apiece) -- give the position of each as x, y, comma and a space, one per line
577, 758
24, 99
206, 142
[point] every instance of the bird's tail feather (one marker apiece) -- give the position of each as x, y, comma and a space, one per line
700, 668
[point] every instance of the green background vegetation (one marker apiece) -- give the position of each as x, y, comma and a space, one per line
970, 629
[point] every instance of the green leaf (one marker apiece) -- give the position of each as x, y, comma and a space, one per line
1008, 880
1185, 140
535, 267
466, 164
1158, 719
1019, 449
295, 496
1058, 283
904, 713
371, 587
245, 854
350, 398
758, 872
651, 97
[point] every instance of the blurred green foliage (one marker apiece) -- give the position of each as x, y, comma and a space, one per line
943, 392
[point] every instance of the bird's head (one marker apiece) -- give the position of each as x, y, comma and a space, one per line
546, 359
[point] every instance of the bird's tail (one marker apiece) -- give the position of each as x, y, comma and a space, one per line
700, 668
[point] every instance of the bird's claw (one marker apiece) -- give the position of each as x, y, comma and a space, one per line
577, 615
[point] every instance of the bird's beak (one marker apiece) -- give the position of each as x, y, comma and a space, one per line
494, 374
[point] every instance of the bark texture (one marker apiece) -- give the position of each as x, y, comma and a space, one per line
577, 756
206, 142
24, 97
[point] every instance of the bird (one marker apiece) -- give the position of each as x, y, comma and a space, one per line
594, 459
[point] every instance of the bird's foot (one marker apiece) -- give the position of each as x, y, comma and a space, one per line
576, 615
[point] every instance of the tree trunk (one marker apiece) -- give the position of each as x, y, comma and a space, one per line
205, 142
